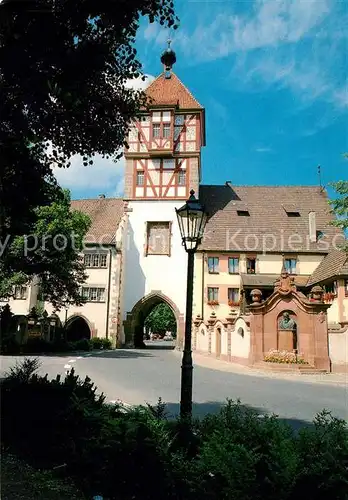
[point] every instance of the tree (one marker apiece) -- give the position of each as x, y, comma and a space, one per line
63, 73
51, 253
340, 205
161, 319
64, 65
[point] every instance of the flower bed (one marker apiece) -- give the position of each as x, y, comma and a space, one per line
286, 357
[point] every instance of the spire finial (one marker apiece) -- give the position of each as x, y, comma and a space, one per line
168, 58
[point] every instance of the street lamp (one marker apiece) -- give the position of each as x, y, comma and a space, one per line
192, 220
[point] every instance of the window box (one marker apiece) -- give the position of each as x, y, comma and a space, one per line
250, 271
329, 296
213, 302
233, 303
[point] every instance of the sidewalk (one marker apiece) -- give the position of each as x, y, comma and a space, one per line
206, 361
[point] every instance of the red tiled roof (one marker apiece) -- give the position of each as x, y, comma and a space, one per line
171, 91
105, 214
268, 222
334, 264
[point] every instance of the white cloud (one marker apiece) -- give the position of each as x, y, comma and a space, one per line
139, 83
103, 176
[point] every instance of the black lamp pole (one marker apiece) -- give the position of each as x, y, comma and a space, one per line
191, 219
187, 366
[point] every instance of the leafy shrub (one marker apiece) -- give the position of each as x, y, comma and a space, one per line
106, 343
36, 345
82, 345
141, 454
9, 345
96, 342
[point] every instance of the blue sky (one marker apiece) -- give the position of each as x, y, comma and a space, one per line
272, 76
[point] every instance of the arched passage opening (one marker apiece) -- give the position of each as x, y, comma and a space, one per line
154, 314
77, 329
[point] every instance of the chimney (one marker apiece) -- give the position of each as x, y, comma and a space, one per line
312, 227
228, 184
102, 196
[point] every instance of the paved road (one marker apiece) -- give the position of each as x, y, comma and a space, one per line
139, 376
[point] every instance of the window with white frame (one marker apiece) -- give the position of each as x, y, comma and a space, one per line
213, 265
213, 294
233, 296
182, 178
140, 178
233, 265
95, 260
93, 294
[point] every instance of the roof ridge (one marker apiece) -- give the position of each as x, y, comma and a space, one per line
98, 199
264, 186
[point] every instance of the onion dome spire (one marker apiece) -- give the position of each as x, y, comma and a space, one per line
168, 59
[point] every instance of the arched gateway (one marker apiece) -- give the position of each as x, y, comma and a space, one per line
78, 328
134, 324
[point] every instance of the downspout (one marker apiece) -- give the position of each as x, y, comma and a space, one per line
108, 299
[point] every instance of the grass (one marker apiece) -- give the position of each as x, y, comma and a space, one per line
19, 481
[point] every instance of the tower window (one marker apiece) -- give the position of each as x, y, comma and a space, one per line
156, 130
166, 130
182, 178
140, 178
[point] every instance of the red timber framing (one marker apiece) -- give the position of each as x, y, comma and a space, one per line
162, 178
165, 133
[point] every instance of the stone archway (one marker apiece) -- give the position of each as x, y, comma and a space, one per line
77, 328
134, 324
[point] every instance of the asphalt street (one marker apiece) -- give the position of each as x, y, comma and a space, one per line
140, 376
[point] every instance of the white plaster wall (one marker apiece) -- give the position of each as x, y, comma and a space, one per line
306, 264
197, 286
332, 312
202, 339
94, 312
269, 263
224, 342
18, 306
144, 274
345, 309
240, 346
338, 347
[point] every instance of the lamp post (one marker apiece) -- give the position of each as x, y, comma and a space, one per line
192, 220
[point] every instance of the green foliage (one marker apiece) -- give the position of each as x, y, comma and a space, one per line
161, 319
140, 454
51, 254
340, 205
65, 96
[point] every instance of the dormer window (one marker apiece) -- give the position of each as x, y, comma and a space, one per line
291, 210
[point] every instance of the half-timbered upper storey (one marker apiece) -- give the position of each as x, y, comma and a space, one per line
164, 143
